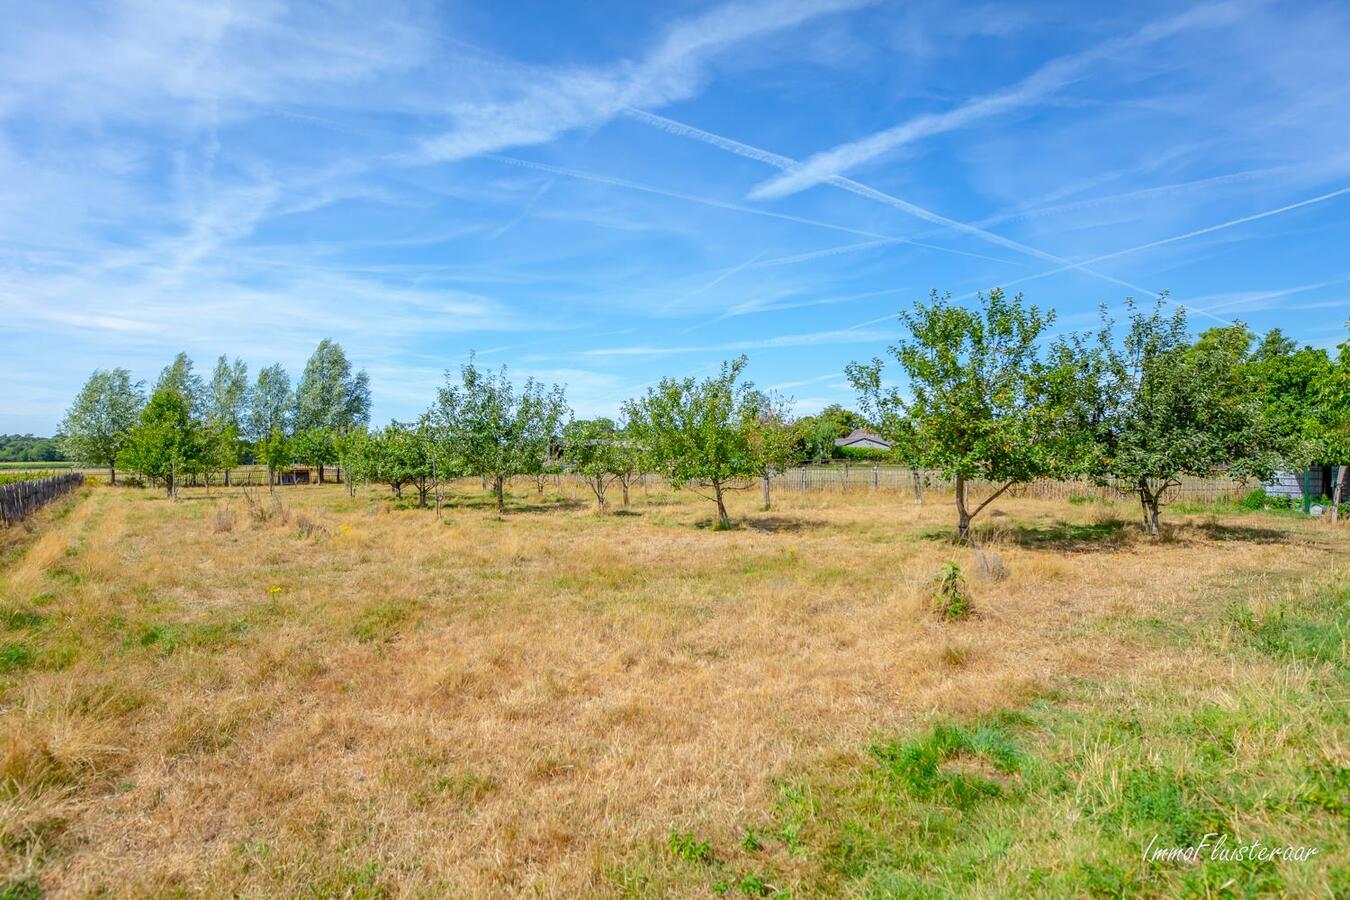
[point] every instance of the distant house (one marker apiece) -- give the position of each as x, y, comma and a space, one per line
863, 440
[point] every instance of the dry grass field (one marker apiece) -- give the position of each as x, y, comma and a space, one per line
345, 697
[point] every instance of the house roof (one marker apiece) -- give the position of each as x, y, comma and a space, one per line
861, 436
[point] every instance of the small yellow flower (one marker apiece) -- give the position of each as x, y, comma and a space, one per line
274, 590
345, 529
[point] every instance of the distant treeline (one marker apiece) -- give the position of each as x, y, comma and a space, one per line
27, 448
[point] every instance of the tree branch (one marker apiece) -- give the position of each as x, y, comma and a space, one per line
991, 498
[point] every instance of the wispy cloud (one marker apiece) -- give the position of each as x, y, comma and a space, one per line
905, 206
249, 176
739, 267
551, 102
1041, 84
845, 336
1115, 254
627, 184
713, 202
1250, 301
184, 65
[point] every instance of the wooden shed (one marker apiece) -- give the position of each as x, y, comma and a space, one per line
863, 439
1312, 483
293, 475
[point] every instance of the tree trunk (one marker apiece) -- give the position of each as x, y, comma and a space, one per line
766, 491
918, 485
227, 477
1338, 494
112, 473
1149, 502
271, 482
624, 483
723, 520
598, 486
962, 514
500, 488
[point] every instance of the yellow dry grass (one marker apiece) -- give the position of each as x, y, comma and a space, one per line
347, 696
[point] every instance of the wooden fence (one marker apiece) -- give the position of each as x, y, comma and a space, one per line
20, 498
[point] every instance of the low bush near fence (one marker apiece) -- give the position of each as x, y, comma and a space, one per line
20, 498
13, 477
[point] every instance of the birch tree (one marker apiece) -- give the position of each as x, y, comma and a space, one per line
96, 427
270, 403
329, 399
226, 405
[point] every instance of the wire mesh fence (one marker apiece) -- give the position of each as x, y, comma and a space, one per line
826, 478
898, 478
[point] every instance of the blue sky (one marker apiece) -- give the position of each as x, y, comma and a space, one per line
603, 193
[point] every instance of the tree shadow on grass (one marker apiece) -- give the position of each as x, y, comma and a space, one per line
488, 503
1250, 533
547, 506
1069, 537
1066, 537
778, 524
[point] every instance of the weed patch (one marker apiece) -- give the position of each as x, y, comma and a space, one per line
951, 599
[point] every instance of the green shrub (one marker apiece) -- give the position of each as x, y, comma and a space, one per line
25, 475
1256, 499
864, 454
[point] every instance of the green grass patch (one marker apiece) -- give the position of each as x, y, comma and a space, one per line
1066, 797
382, 622
18, 618
1310, 630
15, 657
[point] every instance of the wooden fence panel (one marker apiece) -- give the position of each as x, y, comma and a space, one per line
20, 498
